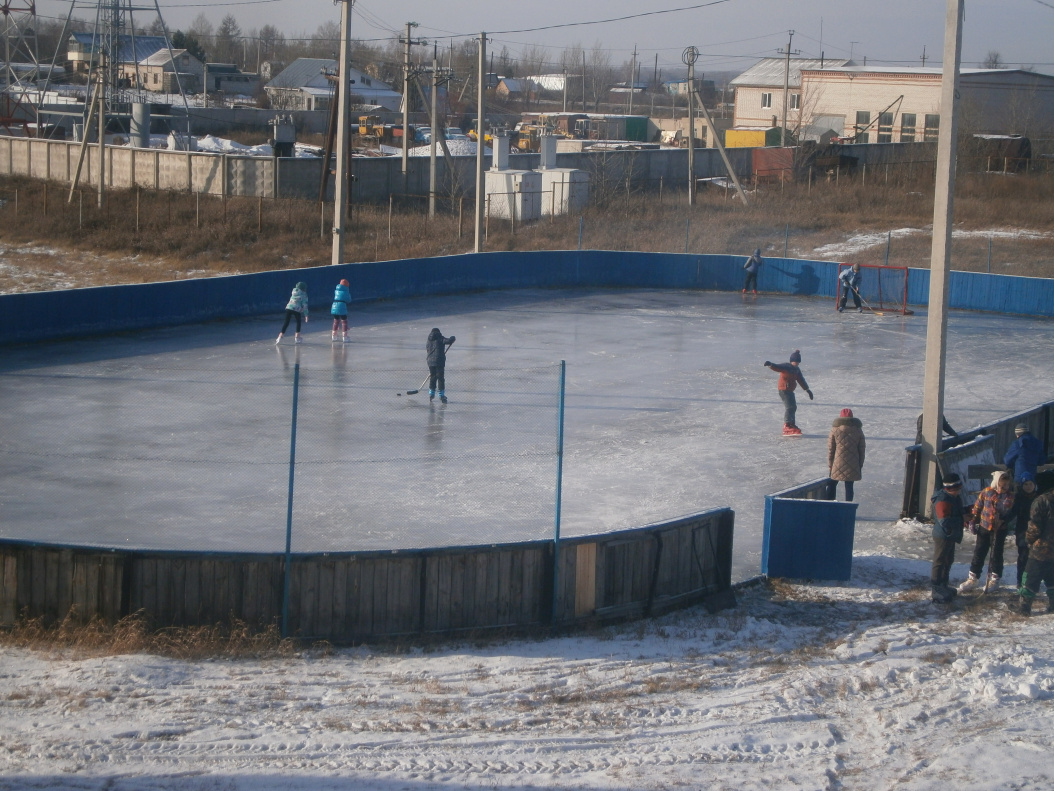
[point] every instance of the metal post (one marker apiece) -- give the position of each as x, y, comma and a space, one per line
786, 87
559, 490
786, 239
581, 228
102, 142
435, 134
889, 238
343, 138
687, 231
480, 137
289, 507
989, 255
940, 254
689, 56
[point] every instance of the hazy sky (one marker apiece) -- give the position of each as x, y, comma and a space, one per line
731, 34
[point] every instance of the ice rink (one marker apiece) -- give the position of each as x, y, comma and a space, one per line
179, 438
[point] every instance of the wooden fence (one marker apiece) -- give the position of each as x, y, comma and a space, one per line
358, 596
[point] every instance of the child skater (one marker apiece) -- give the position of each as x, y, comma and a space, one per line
341, 300
295, 309
435, 348
790, 378
991, 512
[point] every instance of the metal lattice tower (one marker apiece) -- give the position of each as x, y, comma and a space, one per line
20, 65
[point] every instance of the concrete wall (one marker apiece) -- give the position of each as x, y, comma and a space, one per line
379, 177
109, 309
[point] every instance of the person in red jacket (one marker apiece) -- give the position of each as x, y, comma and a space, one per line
790, 378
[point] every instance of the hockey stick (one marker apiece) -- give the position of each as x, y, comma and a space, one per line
419, 387
876, 312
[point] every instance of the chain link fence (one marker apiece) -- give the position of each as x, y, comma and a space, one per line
200, 459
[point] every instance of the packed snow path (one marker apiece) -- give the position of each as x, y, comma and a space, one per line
864, 686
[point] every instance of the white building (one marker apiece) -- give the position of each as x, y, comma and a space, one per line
304, 85
759, 91
888, 104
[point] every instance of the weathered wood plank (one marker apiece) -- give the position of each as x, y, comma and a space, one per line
8, 588
585, 580
80, 593
64, 585
38, 581
367, 572
192, 593
324, 608
339, 626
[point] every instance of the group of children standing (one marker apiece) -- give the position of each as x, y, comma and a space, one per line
436, 345
1011, 501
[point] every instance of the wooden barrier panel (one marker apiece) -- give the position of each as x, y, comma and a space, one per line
357, 596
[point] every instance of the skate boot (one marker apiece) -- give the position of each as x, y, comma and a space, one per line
744, 291
968, 583
992, 583
442, 396
431, 395
279, 338
333, 337
943, 594
790, 430
297, 338
346, 338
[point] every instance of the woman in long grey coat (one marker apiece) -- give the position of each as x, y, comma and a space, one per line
845, 453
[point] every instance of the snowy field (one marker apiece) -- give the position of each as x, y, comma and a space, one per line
867, 686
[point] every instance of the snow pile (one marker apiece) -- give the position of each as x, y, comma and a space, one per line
862, 686
858, 243
457, 147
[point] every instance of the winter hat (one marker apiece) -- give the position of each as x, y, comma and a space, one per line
847, 412
345, 283
1021, 428
757, 252
952, 480
302, 285
1026, 476
796, 356
997, 478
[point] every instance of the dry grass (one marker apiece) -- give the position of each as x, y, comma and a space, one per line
134, 634
142, 236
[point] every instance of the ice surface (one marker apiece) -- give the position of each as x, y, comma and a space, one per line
179, 438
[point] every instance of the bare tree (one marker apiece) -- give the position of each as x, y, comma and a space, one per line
228, 40
993, 60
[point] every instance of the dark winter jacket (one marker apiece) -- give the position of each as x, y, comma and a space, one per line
1022, 507
945, 427
790, 376
754, 263
1025, 455
341, 299
947, 516
436, 347
1040, 534
845, 449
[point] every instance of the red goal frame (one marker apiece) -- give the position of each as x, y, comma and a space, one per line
884, 288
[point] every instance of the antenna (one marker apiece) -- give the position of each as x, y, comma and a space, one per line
19, 69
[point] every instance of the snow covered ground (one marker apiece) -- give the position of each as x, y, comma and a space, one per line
862, 686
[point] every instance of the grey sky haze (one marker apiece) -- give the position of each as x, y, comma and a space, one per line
731, 34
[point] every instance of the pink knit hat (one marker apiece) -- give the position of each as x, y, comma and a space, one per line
847, 412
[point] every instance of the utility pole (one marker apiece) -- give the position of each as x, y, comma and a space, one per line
342, 181
481, 135
439, 77
923, 58
786, 88
632, 78
565, 90
940, 254
689, 57
583, 81
102, 137
408, 75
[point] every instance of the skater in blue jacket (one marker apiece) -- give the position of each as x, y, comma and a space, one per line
339, 311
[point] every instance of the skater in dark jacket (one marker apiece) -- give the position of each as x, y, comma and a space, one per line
1023, 498
1026, 454
947, 532
436, 348
845, 453
790, 378
296, 308
753, 266
1040, 568
945, 427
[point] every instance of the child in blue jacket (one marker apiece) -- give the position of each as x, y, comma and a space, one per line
339, 311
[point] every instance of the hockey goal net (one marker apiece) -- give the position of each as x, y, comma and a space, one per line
882, 288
